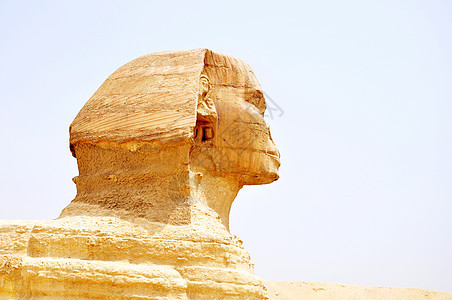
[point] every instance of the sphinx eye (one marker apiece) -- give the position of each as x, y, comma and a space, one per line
257, 99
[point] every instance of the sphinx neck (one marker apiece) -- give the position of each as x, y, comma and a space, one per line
216, 193
148, 185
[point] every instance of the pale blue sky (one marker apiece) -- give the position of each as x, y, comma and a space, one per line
365, 194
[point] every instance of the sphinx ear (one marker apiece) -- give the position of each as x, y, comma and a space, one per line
204, 85
206, 113
206, 107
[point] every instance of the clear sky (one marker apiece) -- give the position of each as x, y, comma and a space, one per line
365, 88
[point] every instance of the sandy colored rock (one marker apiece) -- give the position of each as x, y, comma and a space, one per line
291, 290
162, 148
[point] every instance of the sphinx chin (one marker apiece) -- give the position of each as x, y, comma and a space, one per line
267, 173
260, 178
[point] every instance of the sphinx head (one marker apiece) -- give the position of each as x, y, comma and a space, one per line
207, 101
183, 114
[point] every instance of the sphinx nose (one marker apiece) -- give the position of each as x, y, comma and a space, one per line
272, 146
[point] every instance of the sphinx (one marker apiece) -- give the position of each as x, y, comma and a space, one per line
162, 148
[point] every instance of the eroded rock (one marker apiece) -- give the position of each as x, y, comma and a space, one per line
162, 148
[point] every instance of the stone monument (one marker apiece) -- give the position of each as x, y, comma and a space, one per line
162, 148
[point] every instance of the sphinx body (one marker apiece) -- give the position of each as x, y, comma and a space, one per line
162, 148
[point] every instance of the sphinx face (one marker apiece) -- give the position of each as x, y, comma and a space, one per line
243, 136
239, 145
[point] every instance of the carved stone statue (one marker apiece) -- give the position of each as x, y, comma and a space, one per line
162, 148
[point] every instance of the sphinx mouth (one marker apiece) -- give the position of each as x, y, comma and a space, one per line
274, 154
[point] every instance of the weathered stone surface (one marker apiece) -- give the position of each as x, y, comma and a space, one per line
162, 148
